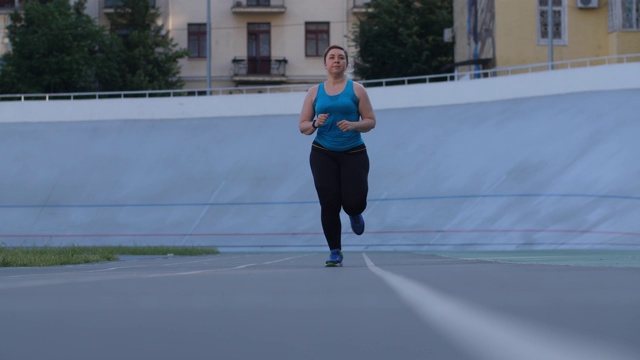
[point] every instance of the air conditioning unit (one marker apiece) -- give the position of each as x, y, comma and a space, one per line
587, 4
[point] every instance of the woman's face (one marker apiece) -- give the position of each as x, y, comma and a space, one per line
336, 61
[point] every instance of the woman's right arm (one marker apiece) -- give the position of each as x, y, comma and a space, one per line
308, 112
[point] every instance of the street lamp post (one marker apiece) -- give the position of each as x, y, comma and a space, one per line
550, 32
208, 47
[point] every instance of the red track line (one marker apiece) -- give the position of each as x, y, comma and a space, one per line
379, 232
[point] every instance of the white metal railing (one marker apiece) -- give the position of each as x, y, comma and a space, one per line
503, 71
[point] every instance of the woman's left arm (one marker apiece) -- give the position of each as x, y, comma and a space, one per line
368, 117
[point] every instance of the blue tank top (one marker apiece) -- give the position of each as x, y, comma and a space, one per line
343, 106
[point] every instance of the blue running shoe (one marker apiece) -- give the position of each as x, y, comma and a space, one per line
335, 259
357, 224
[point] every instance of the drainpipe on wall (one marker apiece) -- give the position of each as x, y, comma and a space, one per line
472, 30
208, 47
345, 43
550, 33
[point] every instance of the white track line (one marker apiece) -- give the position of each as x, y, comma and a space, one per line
111, 269
42, 282
231, 268
201, 271
285, 259
209, 259
194, 272
488, 335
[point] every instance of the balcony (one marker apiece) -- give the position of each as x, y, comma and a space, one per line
8, 6
258, 6
360, 6
109, 5
259, 70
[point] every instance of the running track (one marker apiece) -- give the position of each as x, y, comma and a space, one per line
288, 306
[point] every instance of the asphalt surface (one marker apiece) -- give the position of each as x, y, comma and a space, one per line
288, 306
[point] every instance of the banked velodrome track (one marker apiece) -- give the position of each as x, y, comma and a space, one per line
505, 170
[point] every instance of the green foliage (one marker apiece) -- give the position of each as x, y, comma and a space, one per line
56, 48
53, 256
151, 56
46, 256
400, 38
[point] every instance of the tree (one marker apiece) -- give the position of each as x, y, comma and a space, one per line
150, 55
399, 38
57, 48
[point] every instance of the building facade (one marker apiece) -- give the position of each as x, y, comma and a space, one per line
6, 8
502, 33
253, 42
265, 42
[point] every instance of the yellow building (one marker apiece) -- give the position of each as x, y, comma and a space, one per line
502, 33
6, 8
253, 42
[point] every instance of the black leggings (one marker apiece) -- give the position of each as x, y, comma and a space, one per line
341, 180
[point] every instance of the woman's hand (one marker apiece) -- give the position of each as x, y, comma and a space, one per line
321, 119
346, 125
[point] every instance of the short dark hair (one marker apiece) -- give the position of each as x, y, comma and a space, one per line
335, 47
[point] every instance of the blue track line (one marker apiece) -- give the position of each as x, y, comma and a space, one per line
267, 203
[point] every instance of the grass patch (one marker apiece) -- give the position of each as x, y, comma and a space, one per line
55, 256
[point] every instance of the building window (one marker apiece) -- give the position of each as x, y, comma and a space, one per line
258, 3
558, 25
316, 38
360, 4
110, 4
624, 15
259, 48
197, 40
7, 3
